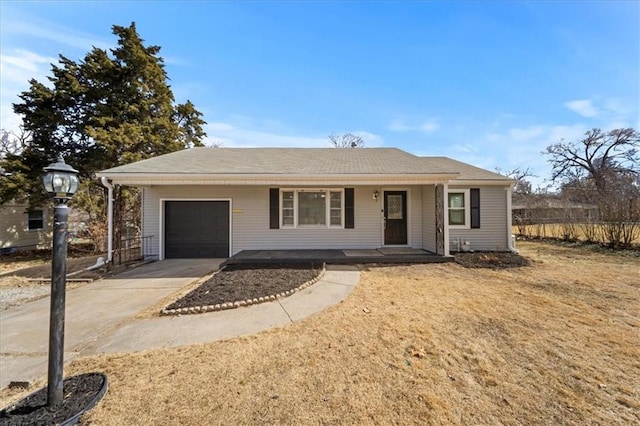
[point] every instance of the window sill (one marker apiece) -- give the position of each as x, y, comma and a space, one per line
311, 227
459, 227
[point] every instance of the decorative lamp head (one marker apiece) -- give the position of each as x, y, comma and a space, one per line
60, 180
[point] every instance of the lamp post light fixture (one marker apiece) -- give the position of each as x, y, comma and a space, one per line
61, 182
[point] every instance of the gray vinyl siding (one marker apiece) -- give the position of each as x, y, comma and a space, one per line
250, 219
414, 195
429, 218
492, 234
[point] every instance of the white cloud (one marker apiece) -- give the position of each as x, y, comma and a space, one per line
584, 107
430, 125
21, 66
55, 33
220, 127
371, 140
616, 107
525, 134
398, 126
465, 148
16, 69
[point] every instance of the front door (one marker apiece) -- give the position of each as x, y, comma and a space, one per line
395, 217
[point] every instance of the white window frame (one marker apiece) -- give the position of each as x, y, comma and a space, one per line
467, 208
327, 213
44, 220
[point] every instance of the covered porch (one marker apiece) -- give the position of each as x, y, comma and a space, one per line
337, 256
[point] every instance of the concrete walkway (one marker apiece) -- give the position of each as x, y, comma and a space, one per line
100, 317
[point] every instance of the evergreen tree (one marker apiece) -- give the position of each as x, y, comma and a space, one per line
108, 109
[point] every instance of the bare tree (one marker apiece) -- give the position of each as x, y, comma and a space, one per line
598, 156
12, 143
523, 196
520, 175
346, 140
603, 168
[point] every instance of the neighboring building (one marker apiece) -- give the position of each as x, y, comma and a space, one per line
22, 228
550, 208
216, 202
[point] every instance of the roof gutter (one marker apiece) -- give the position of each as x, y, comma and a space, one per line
274, 179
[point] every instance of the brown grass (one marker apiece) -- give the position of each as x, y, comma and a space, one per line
569, 231
39, 267
552, 343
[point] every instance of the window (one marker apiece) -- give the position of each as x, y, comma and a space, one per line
35, 220
311, 208
457, 207
287, 208
464, 208
335, 212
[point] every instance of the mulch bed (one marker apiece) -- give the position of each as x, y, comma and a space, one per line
80, 392
243, 282
493, 260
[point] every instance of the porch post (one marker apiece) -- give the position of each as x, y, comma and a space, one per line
109, 186
445, 222
510, 244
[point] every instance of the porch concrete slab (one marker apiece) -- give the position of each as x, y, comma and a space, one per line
362, 253
389, 251
91, 311
343, 256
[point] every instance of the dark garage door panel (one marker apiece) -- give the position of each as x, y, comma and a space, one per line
196, 229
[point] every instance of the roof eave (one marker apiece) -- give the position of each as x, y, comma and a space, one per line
481, 182
273, 179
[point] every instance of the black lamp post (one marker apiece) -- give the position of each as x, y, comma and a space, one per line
61, 182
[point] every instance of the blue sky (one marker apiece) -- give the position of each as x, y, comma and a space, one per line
488, 83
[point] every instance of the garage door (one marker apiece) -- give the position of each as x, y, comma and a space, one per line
196, 229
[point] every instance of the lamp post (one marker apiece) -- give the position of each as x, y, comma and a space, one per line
61, 182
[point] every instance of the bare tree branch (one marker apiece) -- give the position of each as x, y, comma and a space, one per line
596, 156
520, 175
12, 143
346, 140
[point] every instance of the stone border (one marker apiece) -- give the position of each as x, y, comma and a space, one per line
241, 303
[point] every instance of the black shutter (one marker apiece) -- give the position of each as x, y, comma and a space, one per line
475, 207
349, 221
274, 208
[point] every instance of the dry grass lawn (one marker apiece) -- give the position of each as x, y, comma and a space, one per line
569, 231
40, 267
557, 342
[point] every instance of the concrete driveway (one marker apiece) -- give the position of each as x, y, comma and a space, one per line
92, 311
100, 316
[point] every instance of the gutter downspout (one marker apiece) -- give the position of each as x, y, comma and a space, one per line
510, 237
109, 186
